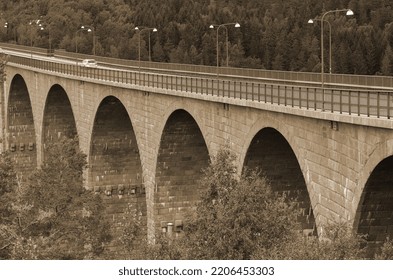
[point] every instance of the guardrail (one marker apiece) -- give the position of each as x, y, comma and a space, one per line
338, 79
336, 100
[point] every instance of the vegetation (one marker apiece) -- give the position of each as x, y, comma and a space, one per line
273, 34
51, 216
242, 218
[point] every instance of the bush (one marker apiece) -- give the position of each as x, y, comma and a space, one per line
338, 242
54, 216
236, 217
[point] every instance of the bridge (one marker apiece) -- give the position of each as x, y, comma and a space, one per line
149, 128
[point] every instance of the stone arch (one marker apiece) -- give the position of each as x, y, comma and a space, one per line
200, 122
58, 118
115, 169
114, 153
374, 215
182, 155
273, 155
20, 127
381, 152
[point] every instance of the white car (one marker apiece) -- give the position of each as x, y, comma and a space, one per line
89, 63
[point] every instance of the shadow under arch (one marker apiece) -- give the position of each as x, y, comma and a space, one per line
20, 127
271, 153
182, 156
115, 170
58, 118
374, 215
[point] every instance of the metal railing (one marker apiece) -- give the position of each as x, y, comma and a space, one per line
334, 79
336, 100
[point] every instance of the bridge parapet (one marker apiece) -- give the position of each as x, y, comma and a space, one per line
343, 101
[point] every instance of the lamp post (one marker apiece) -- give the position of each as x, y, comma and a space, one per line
76, 39
140, 29
40, 27
88, 29
212, 26
7, 26
349, 12
311, 21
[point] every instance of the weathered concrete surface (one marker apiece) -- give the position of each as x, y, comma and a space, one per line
169, 135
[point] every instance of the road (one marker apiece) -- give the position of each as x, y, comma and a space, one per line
346, 99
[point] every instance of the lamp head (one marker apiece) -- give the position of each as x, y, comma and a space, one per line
154, 29
237, 25
136, 28
350, 12
310, 21
211, 26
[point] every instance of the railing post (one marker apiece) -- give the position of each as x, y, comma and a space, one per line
234, 89
358, 103
252, 92
388, 106
368, 103
300, 97
307, 101
241, 92
341, 101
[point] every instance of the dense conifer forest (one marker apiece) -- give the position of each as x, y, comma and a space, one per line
274, 34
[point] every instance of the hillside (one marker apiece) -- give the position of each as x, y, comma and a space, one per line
273, 34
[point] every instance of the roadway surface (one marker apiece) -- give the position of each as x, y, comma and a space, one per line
343, 99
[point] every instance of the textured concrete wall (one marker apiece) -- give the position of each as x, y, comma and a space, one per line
335, 159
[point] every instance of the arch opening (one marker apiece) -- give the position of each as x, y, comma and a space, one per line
375, 212
182, 156
58, 120
20, 127
115, 170
271, 153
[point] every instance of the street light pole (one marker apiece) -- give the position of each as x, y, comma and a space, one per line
76, 40
40, 27
140, 29
88, 29
237, 25
330, 41
349, 12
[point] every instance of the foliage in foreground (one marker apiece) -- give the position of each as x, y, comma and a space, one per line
52, 216
243, 218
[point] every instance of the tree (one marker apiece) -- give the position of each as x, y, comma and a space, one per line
387, 61
236, 216
243, 218
54, 216
338, 242
8, 186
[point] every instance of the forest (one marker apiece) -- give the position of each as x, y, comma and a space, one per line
273, 34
